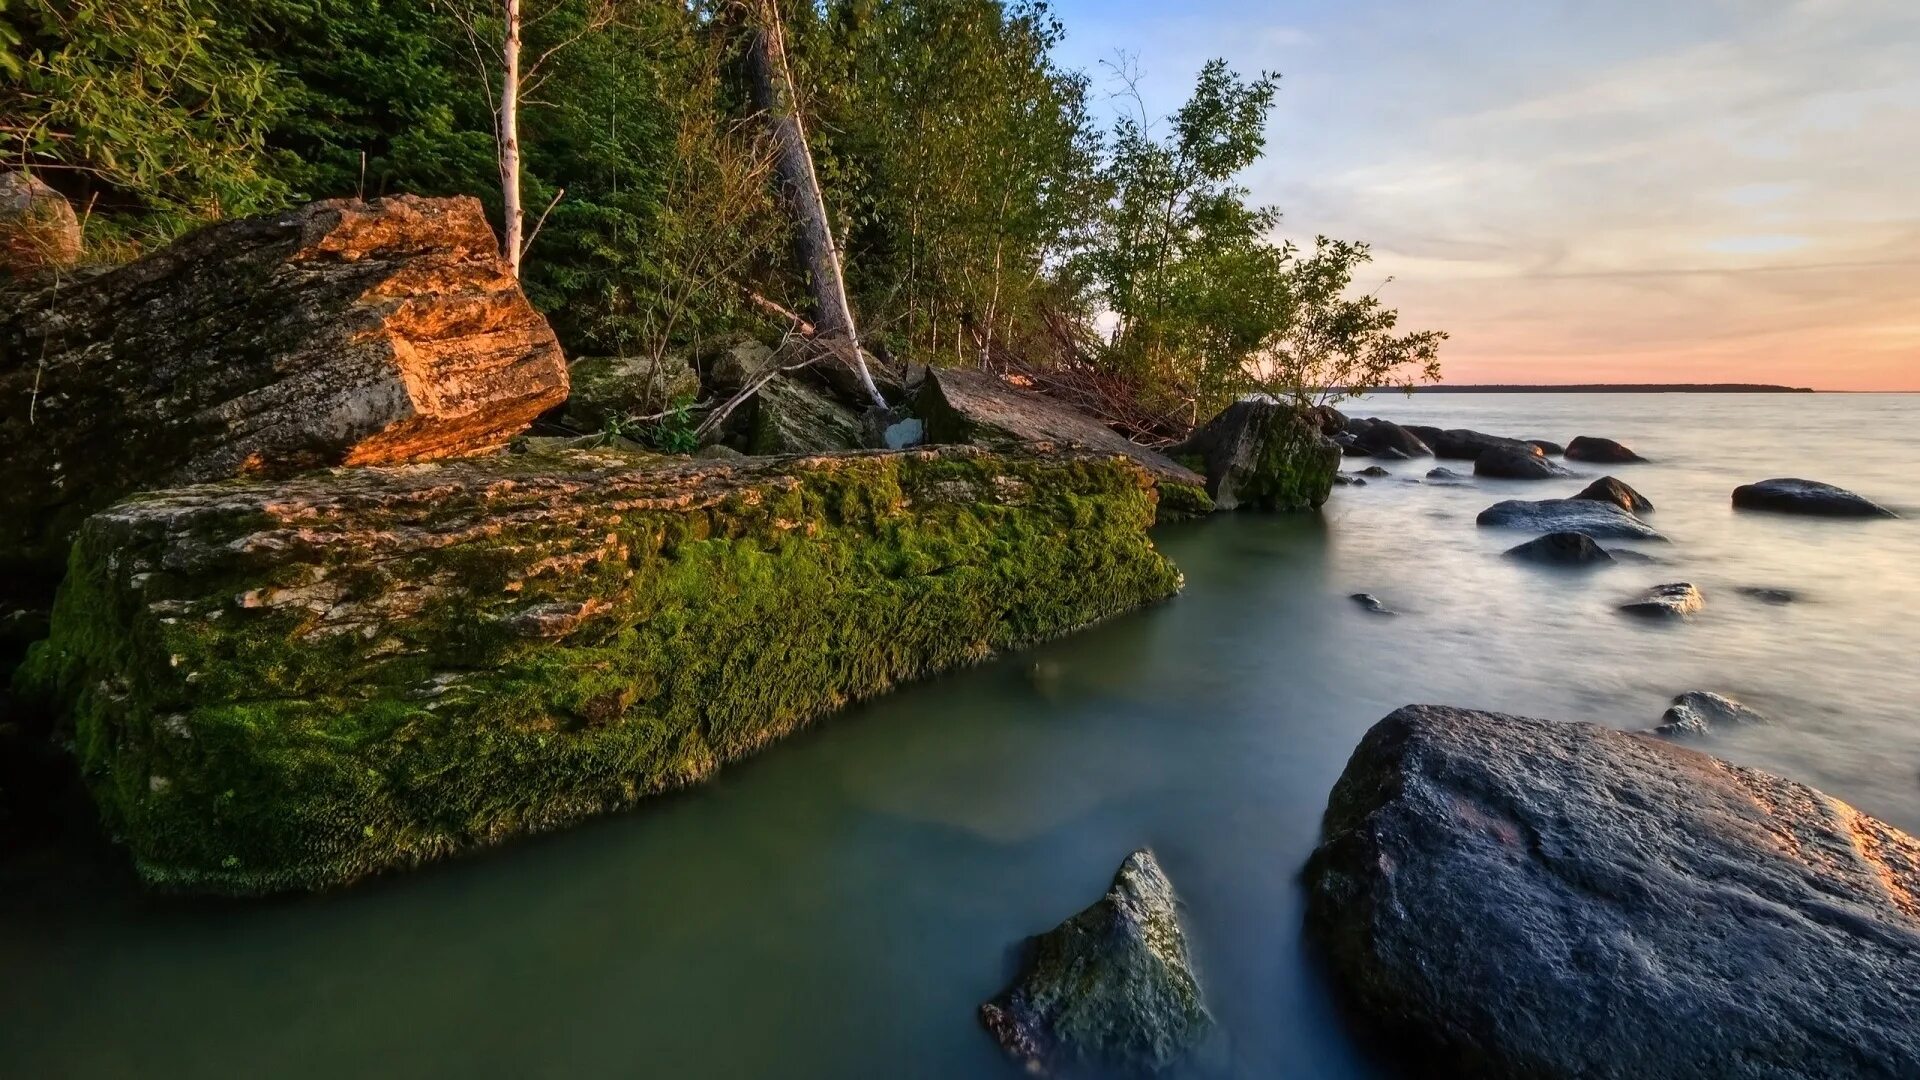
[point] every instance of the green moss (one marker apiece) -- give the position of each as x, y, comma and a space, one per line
1295, 470
249, 749
1178, 502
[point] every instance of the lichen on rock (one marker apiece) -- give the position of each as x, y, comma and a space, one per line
297, 684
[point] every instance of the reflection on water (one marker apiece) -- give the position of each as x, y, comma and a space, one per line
839, 907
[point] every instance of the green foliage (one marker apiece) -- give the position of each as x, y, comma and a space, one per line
677, 432
235, 750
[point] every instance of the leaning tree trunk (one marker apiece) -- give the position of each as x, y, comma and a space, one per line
510, 138
793, 162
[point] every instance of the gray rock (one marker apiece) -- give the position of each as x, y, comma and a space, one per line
1698, 712
1561, 548
904, 433
1349, 480
1629, 555
1600, 451
787, 416
1609, 490
1596, 519
1444, 475
1551, 449
1111, 989
1386, 439
1677, 600
1767, 594
1512, 463
1462, 444
1375, 471
1791, 496
1371, 603
1511, 898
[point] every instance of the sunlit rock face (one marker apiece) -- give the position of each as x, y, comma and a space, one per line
1525, 898
341, 333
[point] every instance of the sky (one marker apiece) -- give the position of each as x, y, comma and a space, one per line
1587, 190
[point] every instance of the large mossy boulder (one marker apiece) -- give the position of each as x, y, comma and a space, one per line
293, 685
1514, 898
341, 333
1110, 991
788, 416
1262, 455
606, 391
982, 409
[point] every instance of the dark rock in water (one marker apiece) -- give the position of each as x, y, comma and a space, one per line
1260, 455
1461, 444
1697, 712
1514, 898
1389, 453
1374, 471
1332, 421
1609, 490
1372, 603
1600, 451
1111, 989
1388, 439
1551, 449
1667, 601
1790, 496
1349, 447
1768, 595
1631, 556
1445, 475
1596, 519
1348, 480
1510, 463
1564, 548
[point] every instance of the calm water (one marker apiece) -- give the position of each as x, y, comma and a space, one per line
838, 907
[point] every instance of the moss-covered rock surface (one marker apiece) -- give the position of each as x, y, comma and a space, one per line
294, 685
1261, 455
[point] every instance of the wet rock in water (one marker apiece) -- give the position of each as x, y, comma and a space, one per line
1629, 555
1349, 480
1349, 447
38, 228
340, 333
390, 666
1667, 601
1371, 603
1444, 475
1698, 712
1386, 439
1260, 455
1600, 451
1111, 989
1768, 594
1551, 449
1609, 490
1597, 519
1511, 898
1811, 497
1462, 444
1561, 548
1375, 471
1511, 463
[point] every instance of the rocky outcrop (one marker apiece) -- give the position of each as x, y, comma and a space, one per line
1516, 463
38, 228
1111, 989
1699, 712
1677, 600
982, 409
1600, 451
293, 685
1609, 490
1462, 444
1561, 549
1509, 898
341, 333
1791, 496
788, 416
1384, 438
1259, 455
607, 391
1596, 519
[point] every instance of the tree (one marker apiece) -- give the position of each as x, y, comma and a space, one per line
1334, 344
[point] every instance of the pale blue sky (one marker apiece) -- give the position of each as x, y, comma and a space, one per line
1609, 190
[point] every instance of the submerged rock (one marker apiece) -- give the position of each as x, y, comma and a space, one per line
1349, 480
1609, 490
38, 228
1596, 519
1444, 475
1377, 472
1791, 496
1600, 451
385, 666
1667, 601
1513, 898
341, 333
1260, 455
1371, 603
1111, 989
1512, 463
1767, 594
1698, 712
1561, 548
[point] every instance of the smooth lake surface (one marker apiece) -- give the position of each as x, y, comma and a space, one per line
841, 905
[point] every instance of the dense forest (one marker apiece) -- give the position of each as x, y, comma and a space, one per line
984, 214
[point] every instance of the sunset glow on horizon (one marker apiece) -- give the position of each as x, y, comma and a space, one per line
1725, 191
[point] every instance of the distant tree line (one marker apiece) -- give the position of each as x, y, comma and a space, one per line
984, 216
